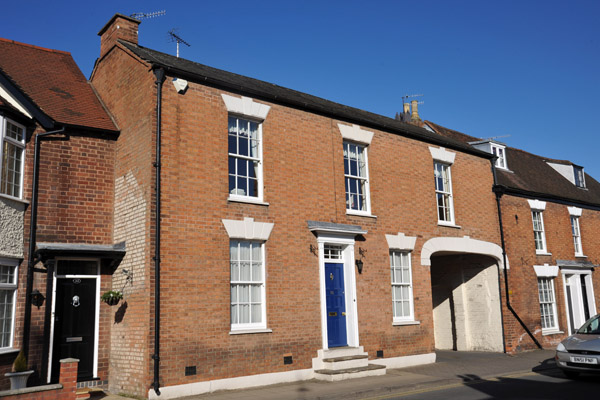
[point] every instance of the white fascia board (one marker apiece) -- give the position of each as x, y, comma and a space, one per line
13, 102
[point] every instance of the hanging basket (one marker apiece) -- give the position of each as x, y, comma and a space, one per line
112, 297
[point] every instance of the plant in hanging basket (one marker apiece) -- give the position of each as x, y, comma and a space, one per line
112, 297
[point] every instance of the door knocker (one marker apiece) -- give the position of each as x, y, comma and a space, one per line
75, 301
331, 276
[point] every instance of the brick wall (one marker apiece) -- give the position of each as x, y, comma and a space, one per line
520, 248
130, 363
66, 390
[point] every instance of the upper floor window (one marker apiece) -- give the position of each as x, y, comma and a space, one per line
576, 235
500, 153
356, 177
12, 151
579, 176
443, 192
245, 158
538, 231
8, 292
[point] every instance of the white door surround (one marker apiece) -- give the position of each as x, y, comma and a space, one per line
341, 235
575, 310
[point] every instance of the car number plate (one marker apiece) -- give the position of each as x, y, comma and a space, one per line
584, 360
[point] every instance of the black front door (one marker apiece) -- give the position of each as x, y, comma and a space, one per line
74, 325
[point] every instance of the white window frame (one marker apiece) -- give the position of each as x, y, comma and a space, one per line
579, 180
444, 192
540, 231
500, 152
258, 159
256, 283
360, 180
4, 140
546, 286
9, 262
403, 256
576, 231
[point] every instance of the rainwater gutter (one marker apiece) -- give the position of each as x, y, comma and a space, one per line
31, 259
499, 191
159, 73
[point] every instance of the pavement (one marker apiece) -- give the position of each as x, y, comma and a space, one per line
450, 368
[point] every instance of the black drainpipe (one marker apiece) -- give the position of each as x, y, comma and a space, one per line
499, 191
31, 260
160, 77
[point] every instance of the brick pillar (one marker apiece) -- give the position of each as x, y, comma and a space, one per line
68, 378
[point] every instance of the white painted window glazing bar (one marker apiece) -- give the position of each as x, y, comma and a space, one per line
501, 160
443, 192
247, 285
8, 293
12, 151
576, 235
402, 293
356, 177
244, 142
538, 231
547, 303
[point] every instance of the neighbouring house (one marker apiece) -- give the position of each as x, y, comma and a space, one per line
45, 99
551, 223
293, 231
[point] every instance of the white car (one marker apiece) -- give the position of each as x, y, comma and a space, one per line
580, 352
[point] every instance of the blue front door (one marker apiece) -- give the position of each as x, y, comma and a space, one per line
336, 305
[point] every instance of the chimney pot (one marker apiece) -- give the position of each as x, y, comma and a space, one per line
119, 27
406, 108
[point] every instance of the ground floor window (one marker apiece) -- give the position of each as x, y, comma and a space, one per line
8, 292
247, 285
547, 304
402, 297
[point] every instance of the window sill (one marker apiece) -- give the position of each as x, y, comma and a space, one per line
360, 214
542, 253
9, 350
15, 199
249, 331
580, 256
246, 200
401, 323
449, 225
551, 332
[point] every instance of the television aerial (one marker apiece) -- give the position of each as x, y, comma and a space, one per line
176, 38
143, 15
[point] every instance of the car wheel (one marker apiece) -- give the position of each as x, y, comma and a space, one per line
571, 374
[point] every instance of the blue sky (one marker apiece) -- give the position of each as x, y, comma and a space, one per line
528, 69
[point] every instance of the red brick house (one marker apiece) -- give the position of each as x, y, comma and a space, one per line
45, 99
295, 232
550, 217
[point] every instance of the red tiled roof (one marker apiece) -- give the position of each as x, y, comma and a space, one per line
52, 80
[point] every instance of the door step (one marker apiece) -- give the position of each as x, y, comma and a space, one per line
350, 373
344, 363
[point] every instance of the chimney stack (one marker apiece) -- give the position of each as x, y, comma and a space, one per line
119, 27
415, 111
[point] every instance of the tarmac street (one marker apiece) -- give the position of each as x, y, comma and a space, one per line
451, 372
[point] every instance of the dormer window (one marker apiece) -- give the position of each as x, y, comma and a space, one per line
579, 176
498, 151
496, 148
